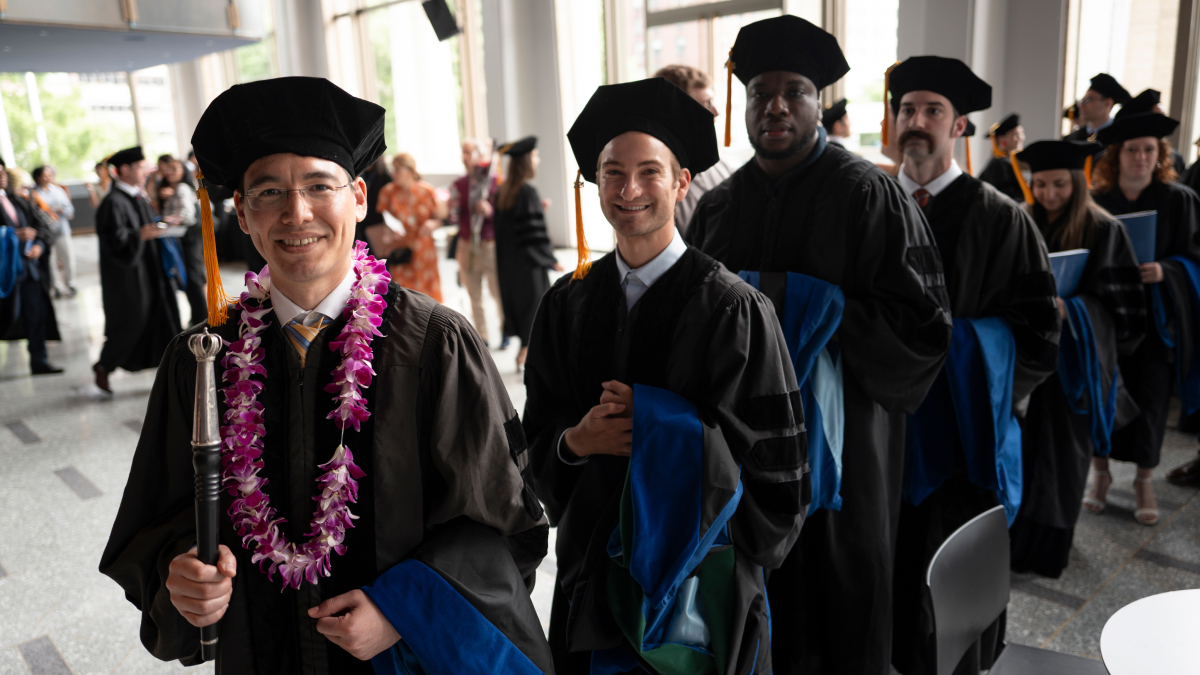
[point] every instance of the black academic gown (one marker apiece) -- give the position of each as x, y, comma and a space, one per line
1057, 445
999, 173
141, 314
443, 454
996, 266
701, 333
842, 220
524, 255
39, 280
1149, 371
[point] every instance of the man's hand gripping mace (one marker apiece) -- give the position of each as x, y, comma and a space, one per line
206, 459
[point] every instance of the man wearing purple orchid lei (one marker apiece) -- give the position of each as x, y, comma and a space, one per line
376, 515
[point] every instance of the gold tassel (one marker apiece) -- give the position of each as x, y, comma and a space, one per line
967, 148
1087, 171
1012, 157
104, 180
729, 98
218, 300
585, 256
996, 151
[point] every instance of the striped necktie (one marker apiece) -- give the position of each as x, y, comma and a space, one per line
922, 196
302, 335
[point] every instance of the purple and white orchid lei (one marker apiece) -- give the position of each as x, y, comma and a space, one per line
242, 445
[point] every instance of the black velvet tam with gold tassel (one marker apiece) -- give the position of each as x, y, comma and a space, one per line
306, 116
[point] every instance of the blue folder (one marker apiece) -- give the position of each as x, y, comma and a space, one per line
1068, 270
1143, 230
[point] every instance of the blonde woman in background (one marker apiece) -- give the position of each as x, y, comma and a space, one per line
412, 256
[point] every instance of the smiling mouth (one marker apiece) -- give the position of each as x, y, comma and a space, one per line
299, 242
633, 209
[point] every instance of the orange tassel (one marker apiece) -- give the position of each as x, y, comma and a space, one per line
104, 180
585, 255
967, 148
1012, 157
1087, 171
887, 111
729, 99
996, 151
218, 300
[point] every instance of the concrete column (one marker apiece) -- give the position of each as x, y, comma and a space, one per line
1017, 46
190, 101
300, 38
524, 96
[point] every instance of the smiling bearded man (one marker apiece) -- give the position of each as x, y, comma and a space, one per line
445, 528
667, 438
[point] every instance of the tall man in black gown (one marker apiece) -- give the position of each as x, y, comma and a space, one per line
655, 321
803, 205
996, 266
141, 314
443, 498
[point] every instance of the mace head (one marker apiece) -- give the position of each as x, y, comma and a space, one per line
205, 345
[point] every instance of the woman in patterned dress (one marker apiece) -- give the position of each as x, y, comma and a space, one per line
415, 204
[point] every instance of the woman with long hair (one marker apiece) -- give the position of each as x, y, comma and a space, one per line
523, 250
1136, 175
1057, 440
178, 206
412, 256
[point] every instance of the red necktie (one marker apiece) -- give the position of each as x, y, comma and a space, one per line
922, 196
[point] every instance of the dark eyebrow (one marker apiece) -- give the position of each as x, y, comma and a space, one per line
275, 179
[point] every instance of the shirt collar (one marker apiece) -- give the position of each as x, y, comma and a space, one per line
658, 266
128, 189
1092, 131
836, 139
286, 311
934, 186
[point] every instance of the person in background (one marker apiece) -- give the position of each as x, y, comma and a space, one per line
28, 302
141, 315
97, 192
375, 177
1058, 444
1150, 101
1007, 136
476, 251
56, 199
697, 85
179, 207
1095, 108
804, 206
836, 121
523, 250
412, 256
1135, 175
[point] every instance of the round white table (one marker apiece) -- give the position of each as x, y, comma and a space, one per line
1157, 634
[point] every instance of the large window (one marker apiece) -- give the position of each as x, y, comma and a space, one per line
696, 33
1132, 41
870, 45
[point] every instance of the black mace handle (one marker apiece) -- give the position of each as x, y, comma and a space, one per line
206, 459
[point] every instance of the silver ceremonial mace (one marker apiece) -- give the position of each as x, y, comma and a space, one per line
206, 459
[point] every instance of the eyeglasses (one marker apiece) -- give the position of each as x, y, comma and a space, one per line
274, 198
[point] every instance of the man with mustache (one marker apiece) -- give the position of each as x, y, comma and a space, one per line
996, 267
665, 428
809, 207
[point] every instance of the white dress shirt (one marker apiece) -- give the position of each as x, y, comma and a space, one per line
635, 283
934, 186
287, 311
131, 190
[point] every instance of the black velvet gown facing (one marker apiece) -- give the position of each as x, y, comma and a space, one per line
1057, 444
1149, 371
840, 219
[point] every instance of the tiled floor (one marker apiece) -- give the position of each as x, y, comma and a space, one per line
65, 451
